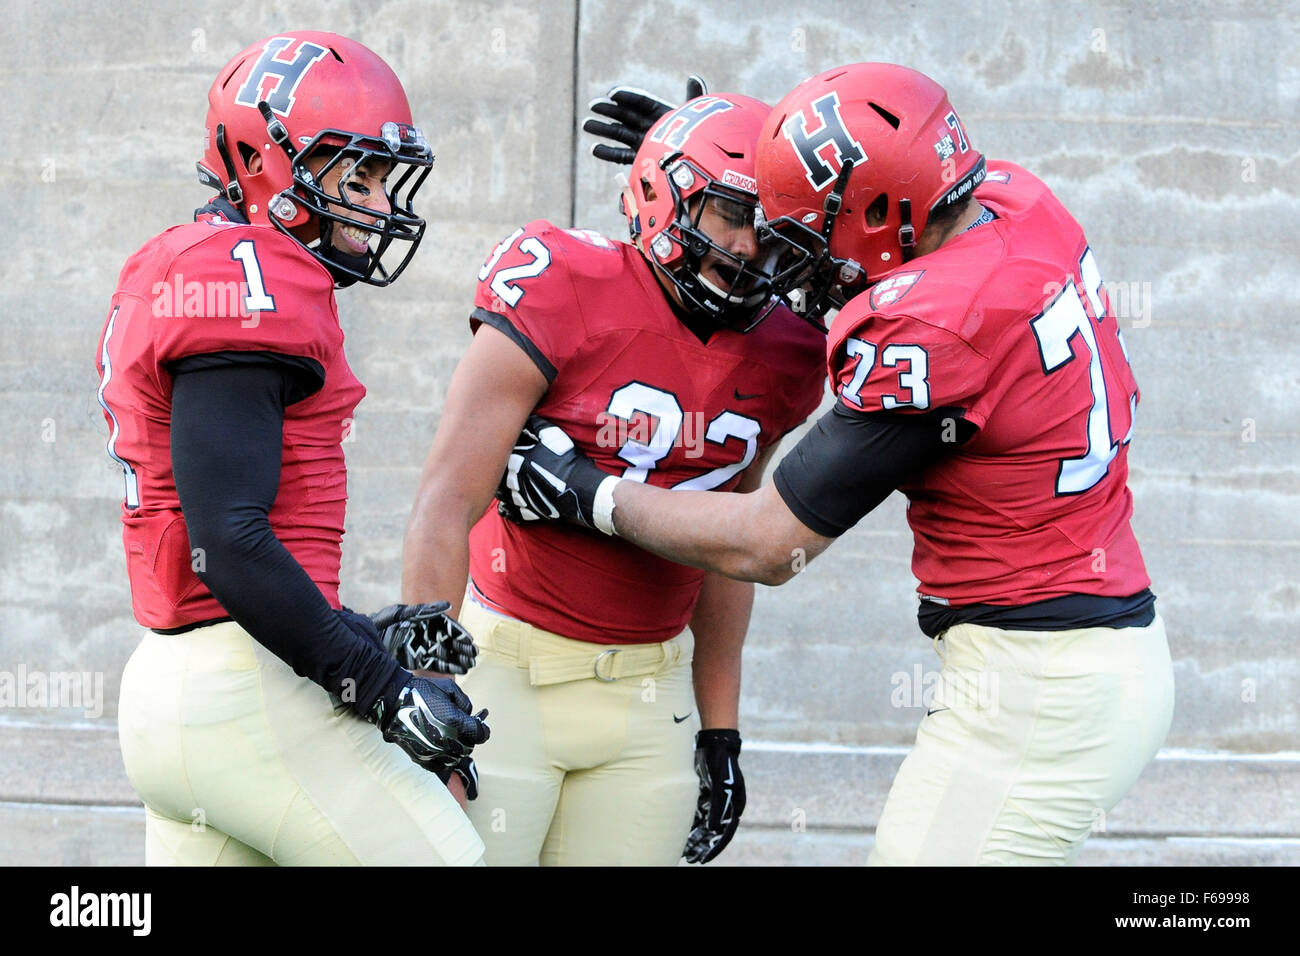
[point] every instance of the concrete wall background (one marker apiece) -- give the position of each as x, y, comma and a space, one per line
1170, 130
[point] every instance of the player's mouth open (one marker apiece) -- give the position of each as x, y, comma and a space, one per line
354, 240
726, 274
727, 280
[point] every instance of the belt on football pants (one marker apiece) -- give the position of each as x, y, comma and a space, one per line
554, 659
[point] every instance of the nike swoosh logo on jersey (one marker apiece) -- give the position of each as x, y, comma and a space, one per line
678, 720
929, 713
745, 398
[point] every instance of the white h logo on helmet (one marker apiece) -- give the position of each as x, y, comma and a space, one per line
674, 130
287, 73
808, 146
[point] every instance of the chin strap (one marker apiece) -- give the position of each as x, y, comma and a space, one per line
278, 133
906, 232
835, 201
231, 187
276, 130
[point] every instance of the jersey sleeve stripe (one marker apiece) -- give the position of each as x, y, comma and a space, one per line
481, 316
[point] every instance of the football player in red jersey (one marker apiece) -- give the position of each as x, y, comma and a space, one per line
248, 711
979, 370
668, 360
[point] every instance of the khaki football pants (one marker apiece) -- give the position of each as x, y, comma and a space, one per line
591, 760
1031, 738
240, 761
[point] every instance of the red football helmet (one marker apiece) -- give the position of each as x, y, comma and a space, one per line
852, 164
699, 159
304, 93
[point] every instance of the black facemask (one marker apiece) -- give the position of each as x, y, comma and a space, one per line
343, 266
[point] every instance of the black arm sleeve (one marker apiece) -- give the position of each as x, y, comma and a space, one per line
851, 461
226, 443
303, 377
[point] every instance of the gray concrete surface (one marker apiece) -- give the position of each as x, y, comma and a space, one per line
1170, 130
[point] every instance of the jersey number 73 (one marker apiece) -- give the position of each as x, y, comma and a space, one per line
1055, 328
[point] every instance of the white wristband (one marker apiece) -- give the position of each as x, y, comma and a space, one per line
602, 509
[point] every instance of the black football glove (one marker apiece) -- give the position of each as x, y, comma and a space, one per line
633, 112
548, 478
424, 637
468, 774
722, 794
431, 721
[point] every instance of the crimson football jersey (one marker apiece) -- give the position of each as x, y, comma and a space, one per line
1010, 323
215, 286
645, 399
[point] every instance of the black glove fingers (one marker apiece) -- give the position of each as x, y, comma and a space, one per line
698, 847
472, 730
463, 653
642, 106
454, 712
387, 617
629, 124
468, 774
452, 662
622, 155
632, 111
429, 724
618, 110
424, 637
424, 612
618, 131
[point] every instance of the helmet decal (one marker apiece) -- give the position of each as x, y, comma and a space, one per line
945, 147
821, 173
286, 74
740, 181
675, 131
954, 124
